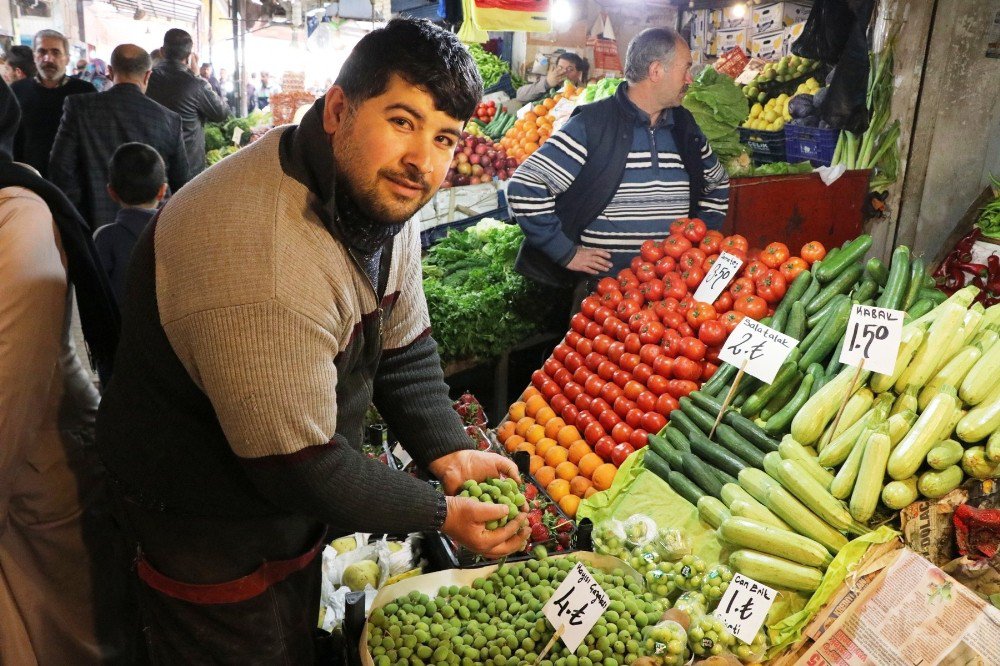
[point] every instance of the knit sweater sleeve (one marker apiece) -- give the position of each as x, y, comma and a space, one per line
267, 370
714, 202
410, 391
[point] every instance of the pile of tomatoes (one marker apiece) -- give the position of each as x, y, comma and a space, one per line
641, 342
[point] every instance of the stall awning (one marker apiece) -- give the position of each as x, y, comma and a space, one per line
177, 10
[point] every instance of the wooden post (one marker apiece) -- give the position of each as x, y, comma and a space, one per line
555, 637
729, 397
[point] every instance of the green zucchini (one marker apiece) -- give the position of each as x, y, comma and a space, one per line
742, 504
738, 446
907, 400
843, 482
840, 285
993, 447
847, 257
808, 424
898, 495
796, 480
908, 455
715, 455
877, 271
899, 425
750, 431
894, 293
701, 474
792, 450
685, 487
982, 420
749, 533
934, 484
713, 511
868, 485
833, 331
775, 571
916, 282
834, 452
945, 454
779, 422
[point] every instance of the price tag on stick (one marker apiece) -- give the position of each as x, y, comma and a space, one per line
575, 606
763, 348
873, 337
744, 606
719, 276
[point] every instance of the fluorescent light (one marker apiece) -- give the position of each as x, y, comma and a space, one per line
561, 12
740, 9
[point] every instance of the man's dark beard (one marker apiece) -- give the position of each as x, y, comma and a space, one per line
368, 200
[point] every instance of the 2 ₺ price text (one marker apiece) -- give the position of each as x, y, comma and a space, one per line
760, 347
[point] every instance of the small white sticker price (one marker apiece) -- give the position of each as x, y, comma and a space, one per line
762, 348
237, 136
873, 336
719, 276
576, 605
744, 606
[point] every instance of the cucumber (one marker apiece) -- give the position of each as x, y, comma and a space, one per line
715, 455
811, 289
706, 402
749, 533
701, 474
796, 326
756, 402
722, 377
779, 422
877, 271
750, 431
833, 365
738, 446
833, 330
713, 511
919, 309
780, 399
814, 319
657, 465
685, 488
775, 571
800, 285
932, 294
779, 320
843, 260
894, 293
898, 495
676, 439
916, 282
722, 476
701, 419
686, 425
813, 333
662, 448
839, 285
866, 290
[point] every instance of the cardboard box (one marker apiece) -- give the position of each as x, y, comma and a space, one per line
730, 39
777, 15
695, 20
769, 45
728, 18
792, 33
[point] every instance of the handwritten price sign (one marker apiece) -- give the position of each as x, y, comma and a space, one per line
873, 336
762, 348
744, 606
575, 606
719, 276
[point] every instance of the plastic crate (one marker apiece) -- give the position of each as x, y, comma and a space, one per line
815, 144
765, 147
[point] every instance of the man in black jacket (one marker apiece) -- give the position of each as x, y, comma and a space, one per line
175, 86
94, 126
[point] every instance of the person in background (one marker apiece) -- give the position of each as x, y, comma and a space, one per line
41, 100
93, 126
81, 67
569, 67
137, 181
156, 55
18, 64
205, 72
97, 74
266, 89
63, 566
255, 336
252, 92
618, 173
181, 90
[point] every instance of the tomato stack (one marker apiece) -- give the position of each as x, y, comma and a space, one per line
641, 341
485, 111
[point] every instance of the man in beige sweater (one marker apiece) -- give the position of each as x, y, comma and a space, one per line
253, 342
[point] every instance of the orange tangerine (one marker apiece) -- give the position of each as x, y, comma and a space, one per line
549, 102
523, 424
533, 404
590, 491
588, 464
545, 475
530, 117
530, 391
569, 504
535, 463
579, 485
568, 435
577, 450
556, 455
526, 446
543, 445
541, 110
566, 471
511, 443
557, 489
544, 415
553, 426
604, 476
534, 433
516, 411
505, 430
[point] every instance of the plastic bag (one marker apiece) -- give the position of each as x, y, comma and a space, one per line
665, 644
609, 539
661, 583
826, 31
692, 603
714, 584
688, 573
845, 105
708, 636
754, 652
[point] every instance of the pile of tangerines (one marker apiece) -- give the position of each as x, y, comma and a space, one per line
535, 127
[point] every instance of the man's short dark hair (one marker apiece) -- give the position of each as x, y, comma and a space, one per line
574, 60
130, 61
177, 44
422, 54
21, 57
136, 173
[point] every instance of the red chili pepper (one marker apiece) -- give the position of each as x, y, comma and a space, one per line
993, 263
977, 270
956, 278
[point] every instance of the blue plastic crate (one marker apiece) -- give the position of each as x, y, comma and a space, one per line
815, 144
765, 147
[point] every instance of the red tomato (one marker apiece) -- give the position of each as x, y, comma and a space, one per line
685, 330
592, 331
605, 285
642, 372
692, 277
606, 370
674, 286
623, 405
685, 368
633, 390
692, 348
711, 243
628, 280
604, 447
648, 353
638, 438
579, 322
675, 246
813, 251
633, 343
724, 303
688, 261
664, 306
709, 262
792, 268
752, 306
623, 450
666, 403
538, 377
636, 260
603, 313
775, 254
633, 295
653, 422
742, 287
589, 306
652, 290
595, 384
608, 419
696, 254
657, 384
628, 361
673, 319
585, 346
735, 242
550, 389
664, 265
601, 343
569, 414
622, 378
682, 387
615, 351
699, 314
582, 403
712, 355
562, 376
621, 432
572, 390
626, 309
574, 360
636, 321
651, 251
695, 230
611, 298
634, 417
646, 401
593, 432
771, 286
598, 406
664, 366
646, 272
677, 226
712, 333
683, 308
560, 352
708, 371
754, 269
651, 332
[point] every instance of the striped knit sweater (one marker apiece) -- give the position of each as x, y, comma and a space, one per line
653, 192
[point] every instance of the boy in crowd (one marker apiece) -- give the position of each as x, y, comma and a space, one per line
138, 182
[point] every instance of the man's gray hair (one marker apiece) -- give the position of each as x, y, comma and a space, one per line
51, 34
647, 47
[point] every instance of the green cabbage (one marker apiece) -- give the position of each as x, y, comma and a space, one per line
719, 107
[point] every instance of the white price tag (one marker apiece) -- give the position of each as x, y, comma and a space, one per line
873, 336
719, 276
744, 606
404, 457
237, 135
576, 605
762, 348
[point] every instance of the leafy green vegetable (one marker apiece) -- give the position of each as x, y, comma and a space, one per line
719, 107
478, 305
989, 218
213, 138
490, 67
